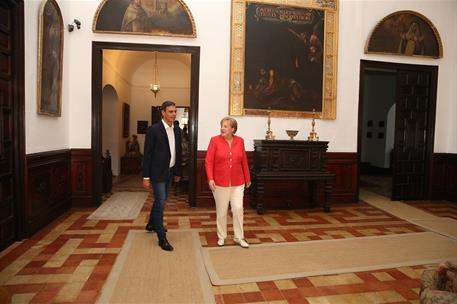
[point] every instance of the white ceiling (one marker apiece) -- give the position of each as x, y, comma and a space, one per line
126, 63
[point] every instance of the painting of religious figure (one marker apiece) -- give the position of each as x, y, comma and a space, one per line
286, 50
405, 33
50, 54
145, 17
283, 67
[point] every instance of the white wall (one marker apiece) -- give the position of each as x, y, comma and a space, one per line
43, 133
112, 77
212, 18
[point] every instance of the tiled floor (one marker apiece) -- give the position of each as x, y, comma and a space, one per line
69, 261
438, 208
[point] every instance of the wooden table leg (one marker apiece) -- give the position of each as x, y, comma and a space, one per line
260, 191
312, 185
327, 192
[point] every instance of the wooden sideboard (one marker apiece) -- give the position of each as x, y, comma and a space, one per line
281, 163
131, 165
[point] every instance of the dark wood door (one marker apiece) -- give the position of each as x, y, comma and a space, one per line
11, 119
412, 136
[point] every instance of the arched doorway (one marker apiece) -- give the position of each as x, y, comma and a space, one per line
110, 129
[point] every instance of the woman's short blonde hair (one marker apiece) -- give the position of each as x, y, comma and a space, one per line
232, 121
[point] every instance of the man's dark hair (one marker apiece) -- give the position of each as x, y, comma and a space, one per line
166, 104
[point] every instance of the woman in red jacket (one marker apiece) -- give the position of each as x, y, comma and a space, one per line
227, 170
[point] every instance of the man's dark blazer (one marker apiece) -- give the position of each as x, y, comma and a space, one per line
156, 160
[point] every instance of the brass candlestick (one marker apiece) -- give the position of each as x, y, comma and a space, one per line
269, 135
313, 135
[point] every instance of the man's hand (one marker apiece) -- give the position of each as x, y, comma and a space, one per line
177, 179
212, 185
146, 183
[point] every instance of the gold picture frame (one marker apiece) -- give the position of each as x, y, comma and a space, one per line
50, 59
146, 17
263, 37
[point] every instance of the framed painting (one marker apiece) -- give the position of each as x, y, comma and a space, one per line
284, 58
50, 56
125, 120
141, 126
144, 17
405, 33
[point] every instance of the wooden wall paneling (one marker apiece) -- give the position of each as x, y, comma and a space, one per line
444, 176
204, 196
48, 188
81, 178
345, 185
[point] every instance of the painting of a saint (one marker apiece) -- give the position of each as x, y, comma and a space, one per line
50, 59
405, 33
284, 58
146, 17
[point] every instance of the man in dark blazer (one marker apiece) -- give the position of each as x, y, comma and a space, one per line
162, 161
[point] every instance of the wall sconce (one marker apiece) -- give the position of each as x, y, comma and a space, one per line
77, 23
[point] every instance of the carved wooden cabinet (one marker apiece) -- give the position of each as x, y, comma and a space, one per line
131, 165
285, 165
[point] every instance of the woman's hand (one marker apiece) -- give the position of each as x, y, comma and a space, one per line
248, 184
212, 185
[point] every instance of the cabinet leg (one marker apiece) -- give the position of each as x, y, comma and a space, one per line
260, 194
259, 209
327, 192
312, 193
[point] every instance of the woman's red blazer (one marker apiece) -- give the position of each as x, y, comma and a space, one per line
227, 166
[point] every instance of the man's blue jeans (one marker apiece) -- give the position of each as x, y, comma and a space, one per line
160, 190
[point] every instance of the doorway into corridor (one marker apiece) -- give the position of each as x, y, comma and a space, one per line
132, 125
396, 128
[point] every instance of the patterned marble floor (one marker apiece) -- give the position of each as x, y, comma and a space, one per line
69, 261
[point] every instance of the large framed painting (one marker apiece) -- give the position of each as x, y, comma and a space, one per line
284, 58
50, 56
405, 33
144, 17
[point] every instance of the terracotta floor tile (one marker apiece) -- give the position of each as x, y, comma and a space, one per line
267, 285
44, 297
233, 298
253, 296
291, 293
24, 288
303, 282
219, 299
272, 295
298, 300
87, 296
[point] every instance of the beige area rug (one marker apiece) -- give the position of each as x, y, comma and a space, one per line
120, 206
266, 262
442, 225
144, 273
